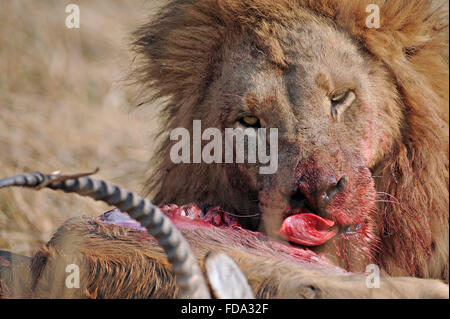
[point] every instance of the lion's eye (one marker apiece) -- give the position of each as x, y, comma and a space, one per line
340, 102
339, 98
250, 121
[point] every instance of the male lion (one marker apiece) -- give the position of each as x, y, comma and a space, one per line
362, 119
364, 106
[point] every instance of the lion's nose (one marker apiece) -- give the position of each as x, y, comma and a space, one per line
324, 197
316, 197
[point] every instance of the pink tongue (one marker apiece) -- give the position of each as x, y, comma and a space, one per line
307, 229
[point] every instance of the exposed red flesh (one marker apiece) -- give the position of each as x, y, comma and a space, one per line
191, 217
191, 213
307, 229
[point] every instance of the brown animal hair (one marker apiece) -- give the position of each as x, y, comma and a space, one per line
119, 262
182, 49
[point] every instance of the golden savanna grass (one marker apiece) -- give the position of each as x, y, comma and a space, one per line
65, 105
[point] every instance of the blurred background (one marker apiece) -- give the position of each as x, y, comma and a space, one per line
66, 104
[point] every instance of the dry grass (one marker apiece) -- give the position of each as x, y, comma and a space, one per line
64, 106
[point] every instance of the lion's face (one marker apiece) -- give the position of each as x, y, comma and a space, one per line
331, 132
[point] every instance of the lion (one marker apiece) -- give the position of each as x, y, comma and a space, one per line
364, 106
362, 119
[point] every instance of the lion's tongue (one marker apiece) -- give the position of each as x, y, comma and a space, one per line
307, 229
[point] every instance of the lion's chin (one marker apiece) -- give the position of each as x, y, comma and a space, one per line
350, 246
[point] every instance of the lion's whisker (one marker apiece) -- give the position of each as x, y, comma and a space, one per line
386, 201
384, 193
236, 215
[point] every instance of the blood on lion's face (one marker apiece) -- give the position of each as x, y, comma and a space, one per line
322, 195
357, 124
